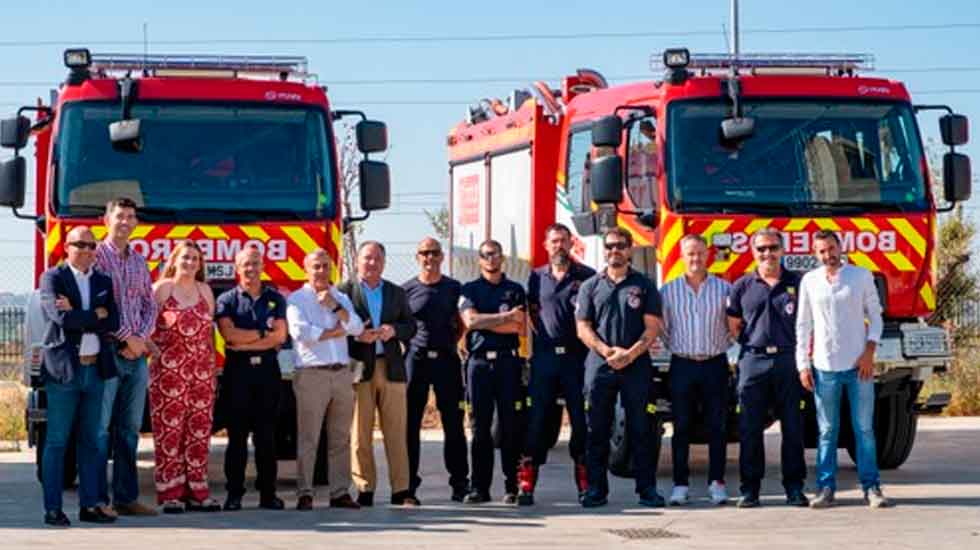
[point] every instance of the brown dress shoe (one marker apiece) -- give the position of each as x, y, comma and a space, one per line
305, 502
344, 502
135, 508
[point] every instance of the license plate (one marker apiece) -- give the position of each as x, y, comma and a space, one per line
218, 271
800, 262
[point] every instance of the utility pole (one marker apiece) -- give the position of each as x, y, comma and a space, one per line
734, 40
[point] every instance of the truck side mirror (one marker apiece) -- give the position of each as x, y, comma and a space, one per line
13, 177
955, 129
606, 185
607, 132
14, 132
375, 182
125, 135
372, 136
956, 177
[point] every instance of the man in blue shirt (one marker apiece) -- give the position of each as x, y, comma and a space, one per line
762, 316
492, 308
558, 362
618, 316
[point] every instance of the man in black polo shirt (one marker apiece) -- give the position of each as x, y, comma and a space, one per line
558, 361
762, 316
251, 319
431, 361
618, 316
492, 308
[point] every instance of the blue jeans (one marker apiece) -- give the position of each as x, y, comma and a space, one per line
123, 401
861, 394
80, 398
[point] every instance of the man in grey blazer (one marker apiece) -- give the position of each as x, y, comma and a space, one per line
80, 313
380, 377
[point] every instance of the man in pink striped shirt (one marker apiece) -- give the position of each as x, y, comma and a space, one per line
125, 395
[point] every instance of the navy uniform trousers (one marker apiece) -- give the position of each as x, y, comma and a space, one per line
632, 384
440, 370
495, 383
769, 382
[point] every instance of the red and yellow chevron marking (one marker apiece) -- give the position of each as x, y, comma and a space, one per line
899, 247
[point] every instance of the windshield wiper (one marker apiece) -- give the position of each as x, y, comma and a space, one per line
774, 208
853, 206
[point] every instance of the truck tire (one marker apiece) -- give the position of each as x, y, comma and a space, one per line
895, 424
620, 450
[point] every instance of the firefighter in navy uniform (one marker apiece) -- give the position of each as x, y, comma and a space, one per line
431, 361
492, 309
762, 316
618, 316
558, 361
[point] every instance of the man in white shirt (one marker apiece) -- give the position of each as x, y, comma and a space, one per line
840, 315
320, 318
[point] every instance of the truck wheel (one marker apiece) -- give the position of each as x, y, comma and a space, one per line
895, 425
620, 448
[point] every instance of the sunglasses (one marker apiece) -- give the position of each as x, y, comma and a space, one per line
768, 248
489, 255
83, 244
430, 253
619, 245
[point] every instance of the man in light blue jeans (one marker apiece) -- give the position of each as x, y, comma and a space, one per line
124, 399
838, 326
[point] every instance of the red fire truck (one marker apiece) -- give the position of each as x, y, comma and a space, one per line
721, 147
229, 151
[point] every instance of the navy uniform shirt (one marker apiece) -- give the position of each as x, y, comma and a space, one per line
552, 305
434, 309
768, 313
616, 310
486, 297
251, 314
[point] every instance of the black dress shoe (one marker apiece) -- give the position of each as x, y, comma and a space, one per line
233, 504
405, 498
305, 503
271, 503
748, 500
344, 502
459, 494
797, 498
94, 515
476, 497
56, 518
365, 498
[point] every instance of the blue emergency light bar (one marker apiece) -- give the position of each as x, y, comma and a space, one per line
835, 63
292, 65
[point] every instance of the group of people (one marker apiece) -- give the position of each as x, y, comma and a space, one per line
369, 347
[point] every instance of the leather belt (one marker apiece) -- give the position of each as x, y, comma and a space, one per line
88, 359
768, 350
699, 357
329, 366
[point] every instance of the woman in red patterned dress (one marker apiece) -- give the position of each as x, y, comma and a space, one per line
182, 383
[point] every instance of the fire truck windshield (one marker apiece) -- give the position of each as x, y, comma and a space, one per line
804, 156
198, 161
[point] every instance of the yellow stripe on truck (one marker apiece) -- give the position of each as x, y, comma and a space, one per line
927, 296
54, 238
301, 239
180, 231
255, 232
911, 235
671, 239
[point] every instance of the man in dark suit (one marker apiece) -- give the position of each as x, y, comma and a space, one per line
80, 313
380, 377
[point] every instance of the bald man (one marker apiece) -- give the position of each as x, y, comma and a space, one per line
79, 309
320, 319
251, 319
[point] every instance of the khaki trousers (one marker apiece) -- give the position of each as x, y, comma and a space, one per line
389, 399
322, 392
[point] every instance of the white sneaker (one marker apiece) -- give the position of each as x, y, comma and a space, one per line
717, 493
678, 496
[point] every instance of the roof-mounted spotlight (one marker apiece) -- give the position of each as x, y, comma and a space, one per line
78, 60
676, 61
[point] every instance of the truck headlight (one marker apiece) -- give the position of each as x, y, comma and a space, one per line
924, 341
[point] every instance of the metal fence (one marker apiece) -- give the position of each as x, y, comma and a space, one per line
11, 334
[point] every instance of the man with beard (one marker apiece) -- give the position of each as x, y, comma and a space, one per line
835, 300
618, 316
492, 308
558, 362
762, 316
431, 361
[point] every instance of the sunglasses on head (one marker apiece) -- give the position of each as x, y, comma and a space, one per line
430, 253
768, 248
83, 244
618, 245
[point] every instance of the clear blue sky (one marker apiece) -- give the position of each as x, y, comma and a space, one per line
420, 114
